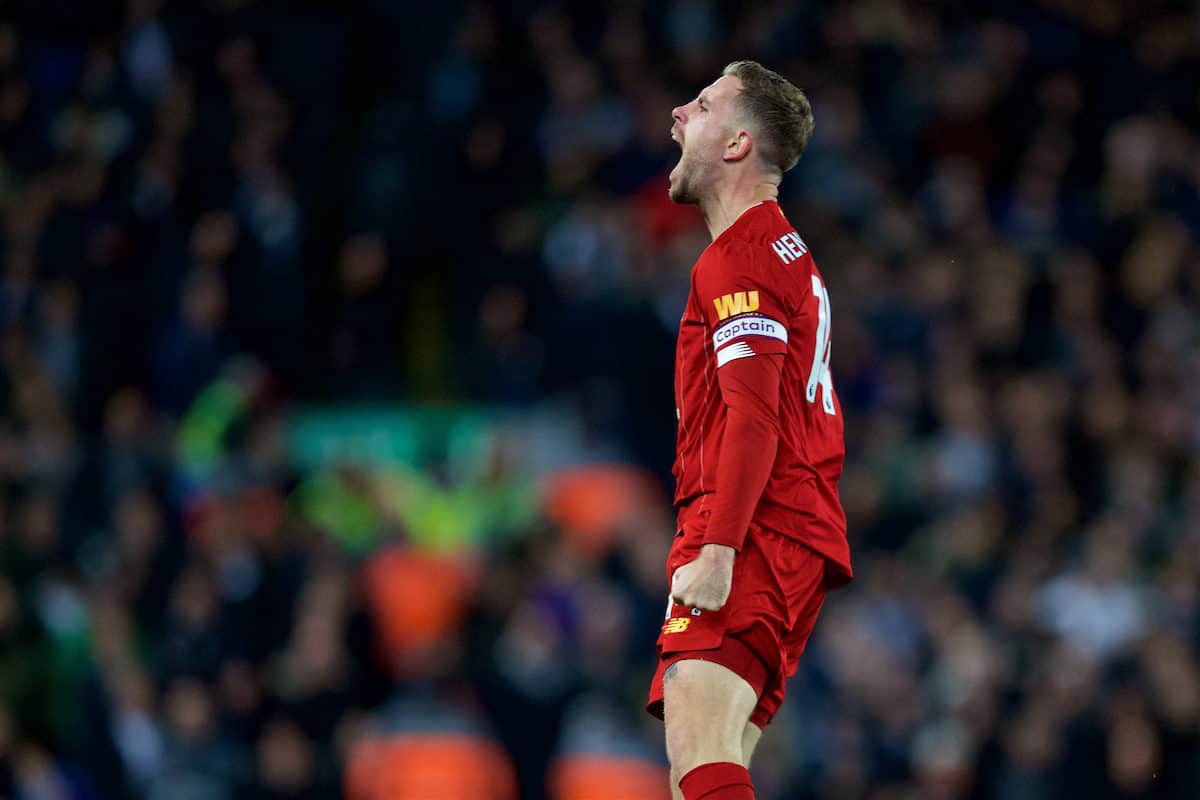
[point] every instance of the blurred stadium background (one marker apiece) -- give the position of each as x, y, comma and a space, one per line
336, 395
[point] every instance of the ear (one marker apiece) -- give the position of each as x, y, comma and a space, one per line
738, 146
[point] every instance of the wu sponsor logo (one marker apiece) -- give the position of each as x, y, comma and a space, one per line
737, 303
677, 624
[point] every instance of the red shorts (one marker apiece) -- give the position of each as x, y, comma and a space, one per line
779, 585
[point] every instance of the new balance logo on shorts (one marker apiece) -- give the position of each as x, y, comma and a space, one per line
676, 624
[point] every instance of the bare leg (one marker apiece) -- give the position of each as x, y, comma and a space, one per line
750, 738
706, 708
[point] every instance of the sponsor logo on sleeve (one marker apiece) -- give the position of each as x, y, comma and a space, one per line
730, 305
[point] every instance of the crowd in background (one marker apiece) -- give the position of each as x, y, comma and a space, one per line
217, 215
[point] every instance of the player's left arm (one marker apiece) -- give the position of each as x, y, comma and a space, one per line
750, 391
749, 342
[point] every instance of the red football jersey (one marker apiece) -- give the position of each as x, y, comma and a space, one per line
754, 291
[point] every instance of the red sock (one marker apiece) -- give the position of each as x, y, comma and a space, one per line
723, 780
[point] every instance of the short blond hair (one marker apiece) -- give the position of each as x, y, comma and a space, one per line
780, 111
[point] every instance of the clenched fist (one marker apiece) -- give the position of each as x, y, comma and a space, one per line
705, 582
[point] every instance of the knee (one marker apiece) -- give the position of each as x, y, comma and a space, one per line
705, 712
685, 746
690, 744
676, 792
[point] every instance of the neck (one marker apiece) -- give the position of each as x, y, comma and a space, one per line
723, 208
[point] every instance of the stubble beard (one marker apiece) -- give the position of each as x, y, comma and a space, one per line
682, 187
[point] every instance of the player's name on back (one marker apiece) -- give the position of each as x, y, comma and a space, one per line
789, 247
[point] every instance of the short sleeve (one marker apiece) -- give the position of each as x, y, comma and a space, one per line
742, 307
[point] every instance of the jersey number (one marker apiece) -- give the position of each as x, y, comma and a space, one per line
819, 375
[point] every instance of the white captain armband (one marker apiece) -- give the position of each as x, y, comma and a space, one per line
749, 325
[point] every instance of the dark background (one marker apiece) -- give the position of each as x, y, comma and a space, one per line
336, 344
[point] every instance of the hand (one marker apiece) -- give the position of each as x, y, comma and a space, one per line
705, 582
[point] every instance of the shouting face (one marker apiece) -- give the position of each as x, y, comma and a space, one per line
705, 130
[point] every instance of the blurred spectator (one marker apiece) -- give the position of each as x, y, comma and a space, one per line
364, 349
197, 343
288, 767
197, 762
